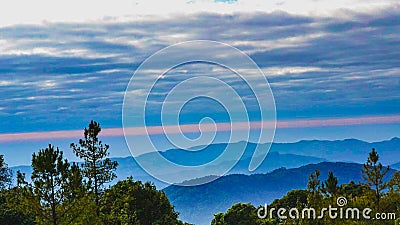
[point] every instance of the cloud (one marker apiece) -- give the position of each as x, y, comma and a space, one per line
74, 11
340, 65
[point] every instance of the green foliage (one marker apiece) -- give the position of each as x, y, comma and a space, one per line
49, 177
10, 216
132, 202
354, 190
373, 172
13, 215
21, 200
330, 186
293, 199
59, 194
241, 214
313, 181
394, 183
5, 174
238, 214
218, 219
97, 168
318, 196
314, 187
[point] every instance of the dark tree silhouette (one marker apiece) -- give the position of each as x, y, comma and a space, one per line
394, 183
134, 202
97, 168
373, 173
218, 219
49, 176
313, 181
241, 214
331, 184
5, 174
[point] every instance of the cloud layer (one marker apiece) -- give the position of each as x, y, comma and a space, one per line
58, 76
23, 11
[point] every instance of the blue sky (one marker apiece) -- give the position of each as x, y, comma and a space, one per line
332, 61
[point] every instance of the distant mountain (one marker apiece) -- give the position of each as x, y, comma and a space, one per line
27, 170
198, 204
129, 167
396, 166
284, 154
349, 150
289, 155
273, 160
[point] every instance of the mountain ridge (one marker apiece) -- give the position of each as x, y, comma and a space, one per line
289, 155
198, 204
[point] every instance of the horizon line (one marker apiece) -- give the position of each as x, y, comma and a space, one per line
194, 128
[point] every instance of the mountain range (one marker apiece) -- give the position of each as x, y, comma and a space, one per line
348, 150
198, 204
129, 167
288, 155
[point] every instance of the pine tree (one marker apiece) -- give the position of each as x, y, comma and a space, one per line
5, 174
97, 168
313, 181
49, 177
75, 192
394, 183
373, 173
11, 204
314, 187
331, 184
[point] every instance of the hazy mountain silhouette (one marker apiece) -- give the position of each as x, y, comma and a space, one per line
289, 155
198, 204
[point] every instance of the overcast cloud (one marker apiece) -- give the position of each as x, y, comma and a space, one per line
341, 63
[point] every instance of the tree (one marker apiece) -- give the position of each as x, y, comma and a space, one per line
218, 219
5, 174
293, 199
354, 190
331, 184
314, 187
241, 214
49, 177
132, 202
78, 206
9, 216
8, 213
76, 188
97, 168
394, 183
373, 173
313, 181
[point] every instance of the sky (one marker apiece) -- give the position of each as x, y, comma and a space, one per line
333, 66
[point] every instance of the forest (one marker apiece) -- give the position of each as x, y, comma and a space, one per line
62, 193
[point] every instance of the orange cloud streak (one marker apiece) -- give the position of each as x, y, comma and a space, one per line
190, 128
